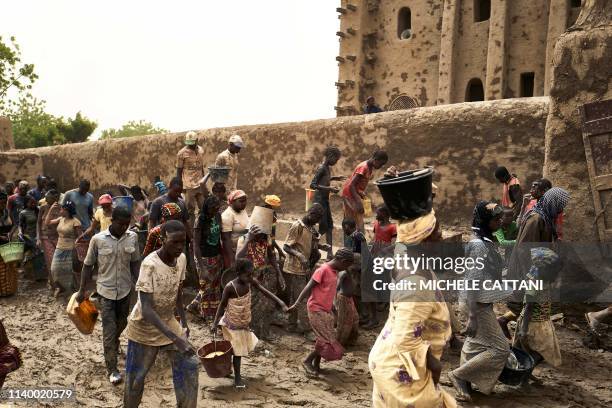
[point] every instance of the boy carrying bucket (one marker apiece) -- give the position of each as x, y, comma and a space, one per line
234, 314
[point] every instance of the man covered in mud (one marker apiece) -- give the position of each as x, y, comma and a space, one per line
115, 251
152, 327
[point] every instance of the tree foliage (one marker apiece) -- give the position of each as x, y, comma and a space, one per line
33, 127
13, 73
132, 128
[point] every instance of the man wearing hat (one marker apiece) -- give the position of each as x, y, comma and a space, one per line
229, 158
190, 169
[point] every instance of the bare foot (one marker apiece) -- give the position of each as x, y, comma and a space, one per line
57, 293
592, 322
310, 370
461, 388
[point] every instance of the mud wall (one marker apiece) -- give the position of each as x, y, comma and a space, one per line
6, 135
581, 74
465, 142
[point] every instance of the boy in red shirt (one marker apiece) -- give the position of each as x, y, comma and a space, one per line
384, 231
354, 188
322, 289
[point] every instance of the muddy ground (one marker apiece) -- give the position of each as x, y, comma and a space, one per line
56, 355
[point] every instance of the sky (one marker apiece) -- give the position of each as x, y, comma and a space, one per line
184, 64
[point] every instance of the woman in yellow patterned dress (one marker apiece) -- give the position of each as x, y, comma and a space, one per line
405, 360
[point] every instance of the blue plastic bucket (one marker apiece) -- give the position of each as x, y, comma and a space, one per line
126, 202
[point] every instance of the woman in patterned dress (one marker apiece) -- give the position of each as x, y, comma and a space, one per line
208, 259
255, 246
405, 360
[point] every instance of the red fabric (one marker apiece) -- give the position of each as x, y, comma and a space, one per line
362, 169
530, 205
11, 201
385, 233
506, 201
322, 295
326, 344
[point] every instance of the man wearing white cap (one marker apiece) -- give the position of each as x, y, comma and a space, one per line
229, 158
190, 169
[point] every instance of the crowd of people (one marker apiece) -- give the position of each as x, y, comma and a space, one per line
143, 255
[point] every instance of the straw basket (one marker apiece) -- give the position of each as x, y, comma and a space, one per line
218, 366
11, 252
8, 279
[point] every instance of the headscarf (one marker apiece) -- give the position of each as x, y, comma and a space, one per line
170, 209
273, 200
550, 206
234, 195
484, 212
70, 207
414, 231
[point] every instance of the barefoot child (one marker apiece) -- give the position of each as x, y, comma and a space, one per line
234, 314
535, 331
322, 289
385, 232
347, 327
321, 183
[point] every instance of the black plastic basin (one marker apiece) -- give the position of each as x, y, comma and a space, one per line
408, 195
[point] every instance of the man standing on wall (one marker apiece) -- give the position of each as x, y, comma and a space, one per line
115, 251
371, 106
190, 169
229, 158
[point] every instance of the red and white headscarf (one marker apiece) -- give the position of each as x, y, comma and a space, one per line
234, 195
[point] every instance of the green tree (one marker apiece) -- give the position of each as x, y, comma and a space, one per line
132, 128
76, 130
33, 127
13, 73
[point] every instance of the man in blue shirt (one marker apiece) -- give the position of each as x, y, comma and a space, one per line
83, 201
371, 106
38, 192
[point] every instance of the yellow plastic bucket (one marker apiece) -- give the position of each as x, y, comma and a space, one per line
367, 207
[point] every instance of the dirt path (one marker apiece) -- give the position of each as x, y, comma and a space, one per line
55, 354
